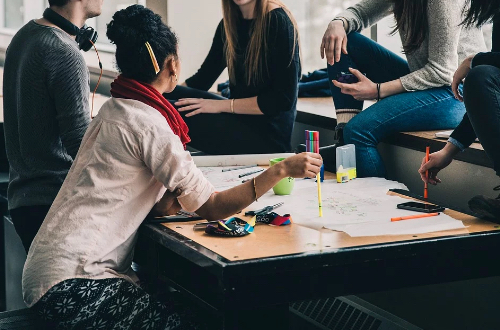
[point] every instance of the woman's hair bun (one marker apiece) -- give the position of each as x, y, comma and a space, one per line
133, 25
129, 30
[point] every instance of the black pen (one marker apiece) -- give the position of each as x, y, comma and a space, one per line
203, 225
173, 218
250, 173
238, 168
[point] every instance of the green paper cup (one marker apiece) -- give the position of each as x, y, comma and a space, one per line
284, 186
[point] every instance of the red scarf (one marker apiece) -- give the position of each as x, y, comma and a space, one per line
125, 88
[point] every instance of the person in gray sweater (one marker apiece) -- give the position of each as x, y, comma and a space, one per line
412, 94
46, 111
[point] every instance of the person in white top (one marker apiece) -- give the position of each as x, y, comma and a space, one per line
132, 161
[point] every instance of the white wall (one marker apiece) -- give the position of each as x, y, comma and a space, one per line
195, 23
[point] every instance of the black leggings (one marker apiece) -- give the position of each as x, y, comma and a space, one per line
482, 101
223, 133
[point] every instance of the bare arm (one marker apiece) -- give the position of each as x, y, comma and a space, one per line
226, 203
167, 205
391, 88
246, 106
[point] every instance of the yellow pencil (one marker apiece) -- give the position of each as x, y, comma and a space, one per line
318, 180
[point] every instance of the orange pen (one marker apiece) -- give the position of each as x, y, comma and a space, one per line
427, 150
416, 216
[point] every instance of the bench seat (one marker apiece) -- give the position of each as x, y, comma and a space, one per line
22, 319
319, 112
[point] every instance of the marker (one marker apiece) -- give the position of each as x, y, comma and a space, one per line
427, 150
318, 180
238, 168
416, 216
250, 173
315, 145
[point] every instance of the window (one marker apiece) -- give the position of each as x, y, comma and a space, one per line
108, 9
313, 17
16, 13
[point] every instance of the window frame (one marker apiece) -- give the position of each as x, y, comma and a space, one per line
104, 47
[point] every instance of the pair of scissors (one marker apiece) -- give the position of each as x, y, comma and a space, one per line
264, 210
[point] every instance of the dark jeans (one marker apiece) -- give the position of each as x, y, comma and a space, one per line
431, 109
222, 133
27, 220
482, 101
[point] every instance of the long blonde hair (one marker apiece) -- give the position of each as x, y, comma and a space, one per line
256, 52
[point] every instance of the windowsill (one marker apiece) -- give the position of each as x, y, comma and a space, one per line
7, 32
106, 51
102, 47
106, 48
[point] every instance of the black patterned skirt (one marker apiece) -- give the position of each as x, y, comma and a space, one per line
109, 304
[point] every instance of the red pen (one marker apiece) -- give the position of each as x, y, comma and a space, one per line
416, 216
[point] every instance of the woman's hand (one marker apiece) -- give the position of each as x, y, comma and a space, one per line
460, 74
364, 89
167, 205
334, 42
303, 165
437, 161
197, 106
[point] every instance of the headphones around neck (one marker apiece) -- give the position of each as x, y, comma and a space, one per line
85, 37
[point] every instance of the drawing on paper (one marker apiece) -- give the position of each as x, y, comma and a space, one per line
224, 180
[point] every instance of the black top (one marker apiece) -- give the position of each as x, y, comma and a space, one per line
276, 93
464, 133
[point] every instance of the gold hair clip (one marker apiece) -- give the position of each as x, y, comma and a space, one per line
153, 58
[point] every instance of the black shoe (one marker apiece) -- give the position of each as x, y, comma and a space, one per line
339, 134
486, 206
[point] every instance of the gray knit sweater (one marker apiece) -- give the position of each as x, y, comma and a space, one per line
46, 111
447, 44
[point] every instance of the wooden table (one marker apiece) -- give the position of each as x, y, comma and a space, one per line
248, 282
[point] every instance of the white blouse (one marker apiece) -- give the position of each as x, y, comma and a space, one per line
128, 158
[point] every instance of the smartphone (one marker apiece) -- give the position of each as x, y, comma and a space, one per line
420, 207
346, 78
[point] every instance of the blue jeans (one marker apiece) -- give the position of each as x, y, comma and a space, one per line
431, 109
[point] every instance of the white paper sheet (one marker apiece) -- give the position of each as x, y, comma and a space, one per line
360, 207
234, 160
226, 180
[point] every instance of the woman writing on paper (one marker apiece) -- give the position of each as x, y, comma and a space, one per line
131, 162
480, 74
413, 94
257, 41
